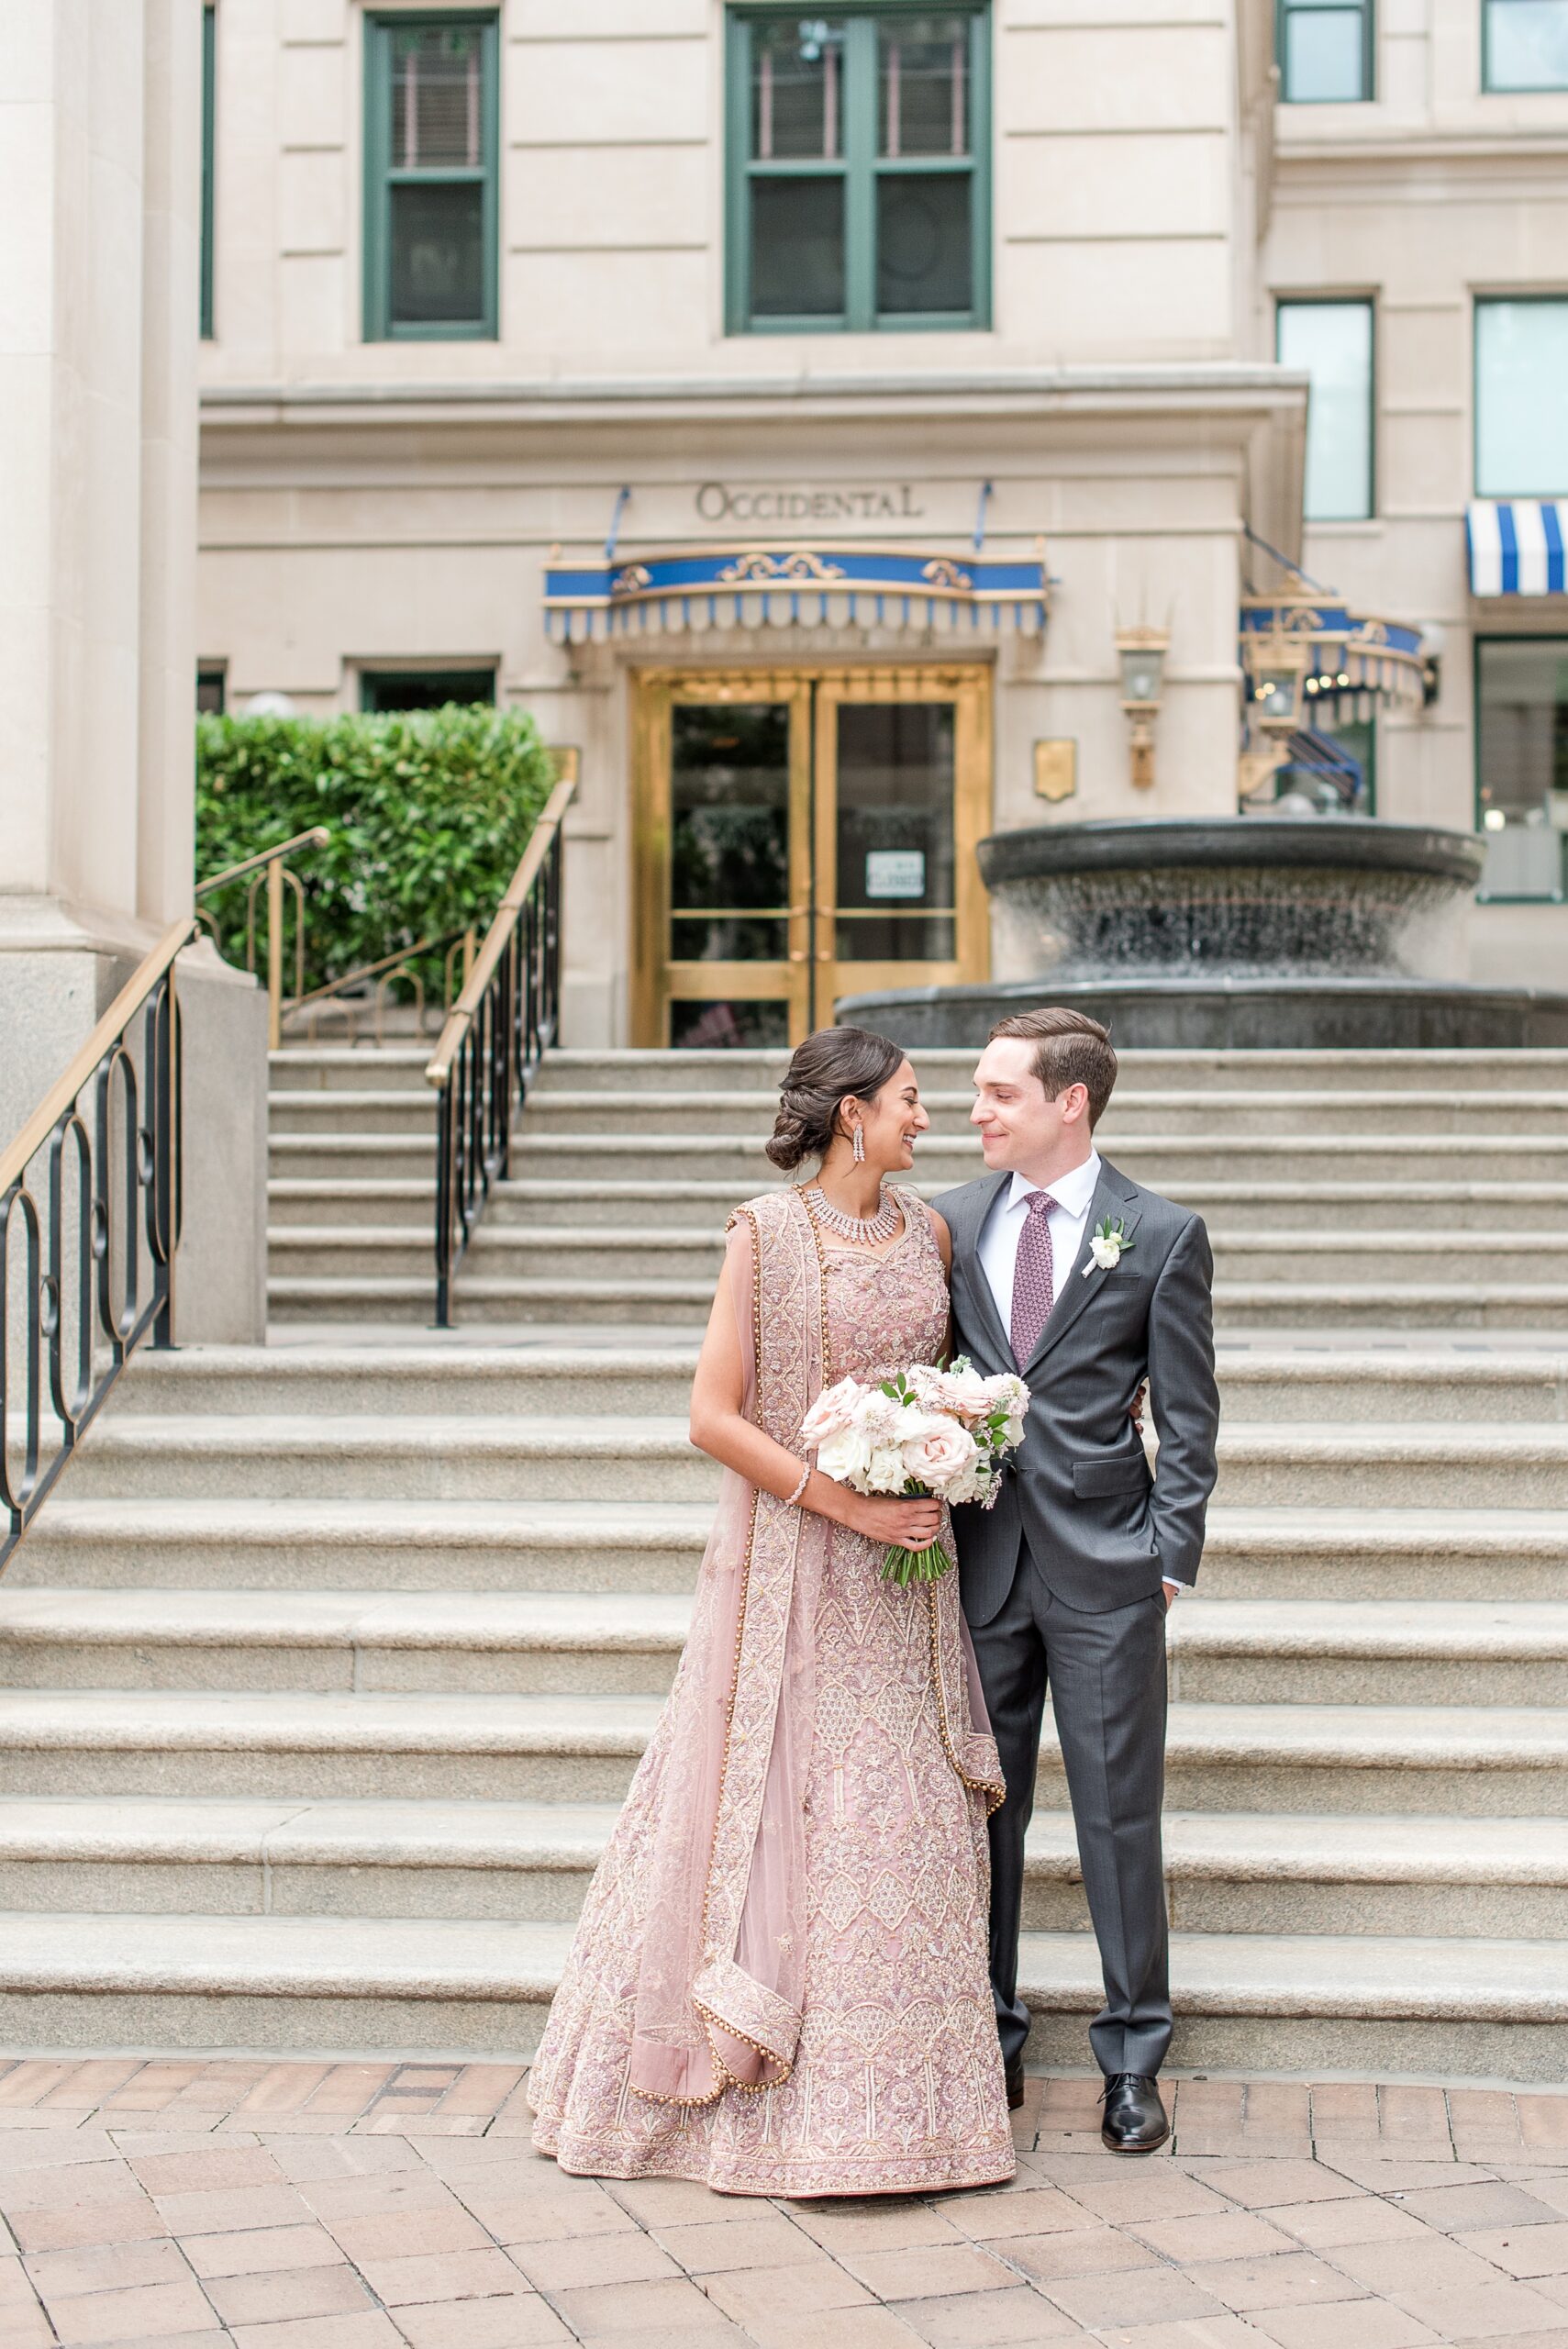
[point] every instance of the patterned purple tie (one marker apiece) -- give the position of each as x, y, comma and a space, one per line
1034, 1278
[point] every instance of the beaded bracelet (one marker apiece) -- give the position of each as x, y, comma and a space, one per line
804, 1480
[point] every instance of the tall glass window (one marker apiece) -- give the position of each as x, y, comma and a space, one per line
430, 178
1521, 405
210, 122
859, 152
1333, 341
1325, 50
1521, 760
1524, 45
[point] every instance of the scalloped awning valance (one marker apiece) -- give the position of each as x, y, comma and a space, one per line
793, 587
1346, 656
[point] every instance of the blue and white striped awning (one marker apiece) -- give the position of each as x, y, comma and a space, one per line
1517, 546
788, 586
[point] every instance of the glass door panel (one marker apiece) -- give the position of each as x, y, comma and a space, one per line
903, 798
724, 863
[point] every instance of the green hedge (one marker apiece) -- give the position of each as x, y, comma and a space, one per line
428, 813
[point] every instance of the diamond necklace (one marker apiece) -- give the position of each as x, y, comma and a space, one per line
863, 1231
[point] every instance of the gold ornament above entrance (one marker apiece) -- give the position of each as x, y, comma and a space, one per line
814, 584
803, 834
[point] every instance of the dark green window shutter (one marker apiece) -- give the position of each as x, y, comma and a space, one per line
858, 166
432, 209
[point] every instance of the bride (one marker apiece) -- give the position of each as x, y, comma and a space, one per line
779, 1983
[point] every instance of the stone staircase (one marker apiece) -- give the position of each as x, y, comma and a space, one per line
326, 1668
1398, 1190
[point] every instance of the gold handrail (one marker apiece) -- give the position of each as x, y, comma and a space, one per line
438, 1069
317, 837
14, 1158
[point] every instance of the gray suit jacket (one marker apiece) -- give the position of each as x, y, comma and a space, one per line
1100, 1529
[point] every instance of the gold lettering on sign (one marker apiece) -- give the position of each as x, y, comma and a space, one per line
718, 501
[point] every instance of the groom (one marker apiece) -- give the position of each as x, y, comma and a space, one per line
1066, 1581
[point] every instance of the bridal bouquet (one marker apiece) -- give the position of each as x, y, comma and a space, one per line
924, 1430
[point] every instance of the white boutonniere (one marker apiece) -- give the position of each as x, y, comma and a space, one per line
1108, 1246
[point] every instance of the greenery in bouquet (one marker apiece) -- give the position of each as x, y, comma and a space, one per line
940, 1431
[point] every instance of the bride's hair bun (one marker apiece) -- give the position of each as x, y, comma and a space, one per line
834, 1062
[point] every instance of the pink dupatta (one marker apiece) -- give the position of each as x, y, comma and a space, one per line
718, 1992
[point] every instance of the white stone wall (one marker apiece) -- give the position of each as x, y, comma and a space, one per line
1432, 193
370, 504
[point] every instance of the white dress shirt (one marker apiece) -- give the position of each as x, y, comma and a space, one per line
998, 1249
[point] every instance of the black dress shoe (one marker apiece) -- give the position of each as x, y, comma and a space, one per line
1134, 2119
1015, 2077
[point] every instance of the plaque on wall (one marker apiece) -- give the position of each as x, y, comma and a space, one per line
1056, 768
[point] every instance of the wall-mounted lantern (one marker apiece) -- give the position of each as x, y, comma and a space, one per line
1276, 678
1142, 652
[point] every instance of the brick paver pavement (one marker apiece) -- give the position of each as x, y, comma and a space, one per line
365, 2205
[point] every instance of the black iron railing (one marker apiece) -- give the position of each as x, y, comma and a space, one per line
495, 1037
89, 1225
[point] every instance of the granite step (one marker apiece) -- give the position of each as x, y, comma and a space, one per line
737, 1110
1245, 1652
1165, 1161
497, 1299
630, 1373
1446, 1879
1374, 1072
351, 1068
379, 1545
1379, 2006
583, 1457
1464, 1761
383, 1109
1315, 1256
408, 1201
362, 1545
351, 1157
706, 1205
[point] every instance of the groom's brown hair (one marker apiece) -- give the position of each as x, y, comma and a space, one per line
1069, 1048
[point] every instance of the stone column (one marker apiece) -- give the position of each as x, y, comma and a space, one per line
100, 157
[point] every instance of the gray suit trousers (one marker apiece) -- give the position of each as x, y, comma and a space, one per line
1105, 1672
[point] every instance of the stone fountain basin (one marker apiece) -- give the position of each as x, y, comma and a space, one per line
1260, 932
1317, 896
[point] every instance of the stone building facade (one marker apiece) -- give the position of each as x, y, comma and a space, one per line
873, 377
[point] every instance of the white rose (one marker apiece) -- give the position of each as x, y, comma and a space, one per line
885, 1472
941, 1454
844, 1455
1106, 1254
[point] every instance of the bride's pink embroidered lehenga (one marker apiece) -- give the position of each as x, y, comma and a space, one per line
779, 1984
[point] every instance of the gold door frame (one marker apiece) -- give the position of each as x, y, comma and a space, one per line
813, 693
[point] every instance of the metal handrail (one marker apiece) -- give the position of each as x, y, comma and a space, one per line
279, 879
127, 1180
281, 1008
494, 1040
317, 837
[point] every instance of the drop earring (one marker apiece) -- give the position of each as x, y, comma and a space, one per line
860, 1146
